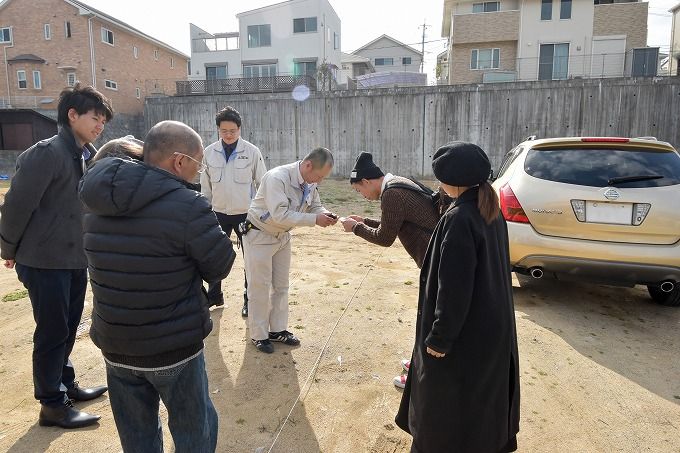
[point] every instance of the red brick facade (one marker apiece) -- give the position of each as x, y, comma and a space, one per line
154, 70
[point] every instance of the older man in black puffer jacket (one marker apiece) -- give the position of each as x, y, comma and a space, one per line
151, 239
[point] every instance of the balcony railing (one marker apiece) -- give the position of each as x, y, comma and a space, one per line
273, 84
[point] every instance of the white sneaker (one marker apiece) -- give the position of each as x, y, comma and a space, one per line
400, 381
405, 364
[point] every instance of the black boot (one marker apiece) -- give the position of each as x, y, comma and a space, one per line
244, 310
80, 394
65, 416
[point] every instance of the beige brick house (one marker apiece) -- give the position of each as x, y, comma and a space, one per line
50, 44
508, 40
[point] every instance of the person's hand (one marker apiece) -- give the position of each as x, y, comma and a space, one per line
358, 218
9, 264
434, 353
348, 224
323, 220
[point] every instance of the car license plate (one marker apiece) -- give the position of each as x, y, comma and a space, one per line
614, 213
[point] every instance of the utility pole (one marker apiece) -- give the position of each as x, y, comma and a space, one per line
422, 46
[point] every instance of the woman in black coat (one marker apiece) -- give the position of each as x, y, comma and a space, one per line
462, 391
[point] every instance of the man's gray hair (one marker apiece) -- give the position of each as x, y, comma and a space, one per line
319, 157
169, 137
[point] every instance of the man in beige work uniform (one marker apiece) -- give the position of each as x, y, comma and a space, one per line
234, 170
287, 198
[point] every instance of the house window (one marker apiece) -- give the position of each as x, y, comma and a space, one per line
336, 41
172, 63
215, 72
135, 51
47, 30
21, 79
259, 35
111, 85
70, 79
565, 9
546, 9
305, 68
259, 70
406, 61
6, 34
304, 25
384, 61
107, 36
138, 93
37, 82
155, 55
67, 29
553, 61
486, 7
485, 59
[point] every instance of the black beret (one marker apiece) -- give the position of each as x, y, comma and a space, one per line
461, 164
364, 168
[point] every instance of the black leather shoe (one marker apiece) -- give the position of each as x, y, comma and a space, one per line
65, 416
79, 394
244, 310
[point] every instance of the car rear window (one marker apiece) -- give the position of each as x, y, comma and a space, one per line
597, 167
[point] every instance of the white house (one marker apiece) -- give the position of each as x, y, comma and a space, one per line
353, 66
389, 55
294, 37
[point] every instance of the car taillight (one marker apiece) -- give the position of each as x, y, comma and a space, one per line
640, 211
510, 207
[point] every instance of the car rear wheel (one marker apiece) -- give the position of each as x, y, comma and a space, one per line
670, 299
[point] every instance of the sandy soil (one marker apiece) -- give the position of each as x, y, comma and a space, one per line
599, 365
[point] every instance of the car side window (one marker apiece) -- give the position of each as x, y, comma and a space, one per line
508, 159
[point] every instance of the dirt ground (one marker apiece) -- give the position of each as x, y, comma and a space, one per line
600, 366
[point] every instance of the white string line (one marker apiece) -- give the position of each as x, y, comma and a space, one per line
315, 367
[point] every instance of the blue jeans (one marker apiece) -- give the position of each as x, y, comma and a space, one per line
57, 297
135, 396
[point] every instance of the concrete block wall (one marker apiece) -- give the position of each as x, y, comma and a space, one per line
403, 127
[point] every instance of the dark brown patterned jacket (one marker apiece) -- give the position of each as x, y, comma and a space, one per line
406, 214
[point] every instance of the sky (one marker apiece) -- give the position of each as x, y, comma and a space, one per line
362, 21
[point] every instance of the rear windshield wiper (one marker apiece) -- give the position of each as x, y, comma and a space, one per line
623, 179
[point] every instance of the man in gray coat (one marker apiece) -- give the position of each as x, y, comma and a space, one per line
42, 236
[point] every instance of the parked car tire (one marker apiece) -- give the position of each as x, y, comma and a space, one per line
671, 299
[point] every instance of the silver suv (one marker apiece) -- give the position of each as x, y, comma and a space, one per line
591, 208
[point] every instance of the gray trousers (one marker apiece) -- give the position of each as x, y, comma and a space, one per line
267, 263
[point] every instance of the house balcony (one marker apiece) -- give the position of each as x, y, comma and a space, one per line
486, 27
241, 85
